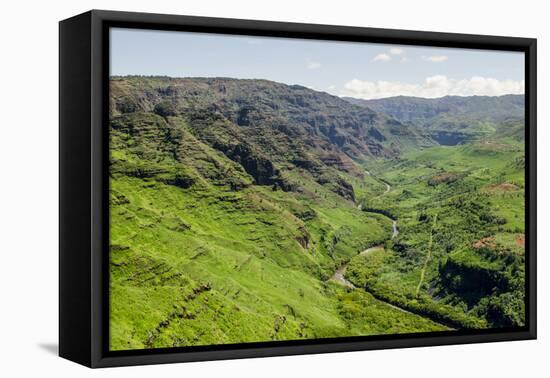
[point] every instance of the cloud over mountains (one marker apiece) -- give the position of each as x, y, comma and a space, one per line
432, 87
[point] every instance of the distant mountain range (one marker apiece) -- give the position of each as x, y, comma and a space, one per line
454, 119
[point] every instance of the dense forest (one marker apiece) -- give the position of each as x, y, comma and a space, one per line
249, 210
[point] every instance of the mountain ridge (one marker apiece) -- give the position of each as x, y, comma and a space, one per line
455, 119
267, 126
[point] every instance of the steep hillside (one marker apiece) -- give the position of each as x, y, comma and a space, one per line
314, 127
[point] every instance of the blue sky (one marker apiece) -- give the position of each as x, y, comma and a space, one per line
341, 68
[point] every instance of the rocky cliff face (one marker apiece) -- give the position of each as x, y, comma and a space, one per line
263, 125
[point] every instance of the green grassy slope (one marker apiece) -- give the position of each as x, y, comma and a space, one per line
234, 202
201, 255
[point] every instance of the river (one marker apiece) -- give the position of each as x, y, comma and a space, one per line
339, 274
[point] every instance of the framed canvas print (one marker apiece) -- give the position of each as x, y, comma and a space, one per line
234, 188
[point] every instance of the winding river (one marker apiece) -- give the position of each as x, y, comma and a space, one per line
339, 274
395, 231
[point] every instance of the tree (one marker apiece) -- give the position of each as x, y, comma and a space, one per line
165, 109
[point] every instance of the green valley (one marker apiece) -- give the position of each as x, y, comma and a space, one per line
250, 211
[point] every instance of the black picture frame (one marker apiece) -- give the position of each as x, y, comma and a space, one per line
83, 181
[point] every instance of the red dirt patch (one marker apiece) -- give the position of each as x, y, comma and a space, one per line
504, 187
488, 145
446, 177
488, 242
520, 240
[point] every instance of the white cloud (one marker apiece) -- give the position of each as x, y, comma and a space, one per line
396, 51
313, 65
383, 57
435, 58
432, 87
404, 59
